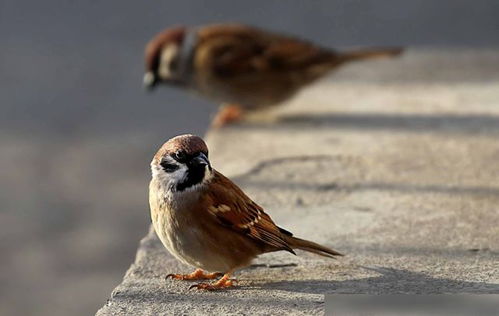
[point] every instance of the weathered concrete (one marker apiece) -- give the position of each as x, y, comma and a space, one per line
395, 163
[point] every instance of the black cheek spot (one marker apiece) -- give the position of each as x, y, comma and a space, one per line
168, 167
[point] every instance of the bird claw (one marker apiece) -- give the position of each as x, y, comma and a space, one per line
228, 113
196, 275
221, 284
174, 276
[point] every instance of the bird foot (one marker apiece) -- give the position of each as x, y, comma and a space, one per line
196, 275
228, 113
223, 283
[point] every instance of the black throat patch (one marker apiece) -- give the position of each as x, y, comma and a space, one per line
195, 171
195, 175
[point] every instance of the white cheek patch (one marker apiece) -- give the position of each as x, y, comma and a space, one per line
168, 54
169, 178
178, 175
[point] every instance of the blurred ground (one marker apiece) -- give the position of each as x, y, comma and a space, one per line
394, 163
77, 131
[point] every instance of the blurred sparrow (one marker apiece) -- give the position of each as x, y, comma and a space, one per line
207, 221
241, 66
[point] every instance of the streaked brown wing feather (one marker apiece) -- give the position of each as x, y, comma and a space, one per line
232, 208
289, 53
242, 49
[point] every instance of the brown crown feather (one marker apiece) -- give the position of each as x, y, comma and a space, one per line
190, 144
153, 48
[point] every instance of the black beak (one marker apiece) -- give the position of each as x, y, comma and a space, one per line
201, 160
150, 80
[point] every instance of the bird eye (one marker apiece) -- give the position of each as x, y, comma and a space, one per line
169, 167
180, 155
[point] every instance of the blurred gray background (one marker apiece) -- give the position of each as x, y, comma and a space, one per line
77, 131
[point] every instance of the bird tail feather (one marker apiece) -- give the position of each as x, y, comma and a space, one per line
310, 246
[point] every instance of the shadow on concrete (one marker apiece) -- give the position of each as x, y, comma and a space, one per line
197, 299
450, 123
390, 281
245, 179
410, 122
373, 186
262, 165
471, 253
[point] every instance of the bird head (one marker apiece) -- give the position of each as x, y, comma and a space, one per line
163, 57
182, 163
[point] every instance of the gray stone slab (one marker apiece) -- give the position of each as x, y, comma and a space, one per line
395, 163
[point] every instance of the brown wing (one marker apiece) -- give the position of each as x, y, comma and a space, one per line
242, 49
233, 209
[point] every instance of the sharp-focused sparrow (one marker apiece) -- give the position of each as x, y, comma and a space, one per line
241, 66
207, 221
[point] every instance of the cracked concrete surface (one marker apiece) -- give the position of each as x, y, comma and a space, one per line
395, 163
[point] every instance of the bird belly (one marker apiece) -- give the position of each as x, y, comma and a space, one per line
190, 245
251, 92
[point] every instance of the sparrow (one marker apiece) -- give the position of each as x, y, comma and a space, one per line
208, 222
243, 67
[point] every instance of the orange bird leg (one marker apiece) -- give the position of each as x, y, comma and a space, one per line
223, 283
196, 275
227, 114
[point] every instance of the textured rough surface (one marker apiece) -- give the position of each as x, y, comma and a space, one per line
395, 163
